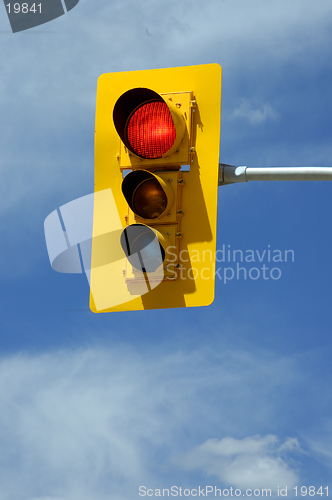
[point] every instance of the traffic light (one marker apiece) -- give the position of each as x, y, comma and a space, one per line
157, 155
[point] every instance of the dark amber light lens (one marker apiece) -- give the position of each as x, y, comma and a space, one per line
149, 199
150, 130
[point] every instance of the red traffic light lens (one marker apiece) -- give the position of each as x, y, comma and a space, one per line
150, 130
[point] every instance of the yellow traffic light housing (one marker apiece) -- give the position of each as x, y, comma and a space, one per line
163, 126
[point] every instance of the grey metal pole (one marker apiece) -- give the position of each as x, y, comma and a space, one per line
228, 174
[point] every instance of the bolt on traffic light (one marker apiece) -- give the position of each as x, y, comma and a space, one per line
157, 149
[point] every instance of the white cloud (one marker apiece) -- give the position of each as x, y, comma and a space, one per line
252, 114
252, 462
95, 424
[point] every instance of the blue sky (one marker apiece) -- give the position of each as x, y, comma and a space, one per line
233, 395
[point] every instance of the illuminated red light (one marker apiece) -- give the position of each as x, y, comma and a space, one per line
150, 130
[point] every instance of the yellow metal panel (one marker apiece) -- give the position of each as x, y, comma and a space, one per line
195, 283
